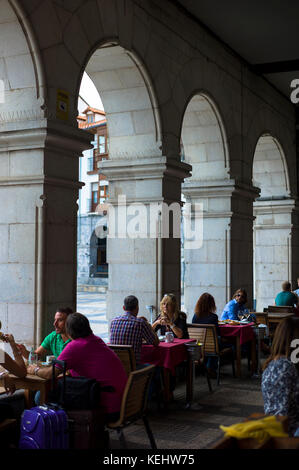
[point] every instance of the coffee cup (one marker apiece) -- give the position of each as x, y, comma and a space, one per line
49, 359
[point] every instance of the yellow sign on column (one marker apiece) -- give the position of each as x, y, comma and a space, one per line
62, 105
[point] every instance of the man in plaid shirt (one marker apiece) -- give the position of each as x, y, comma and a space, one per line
128, 329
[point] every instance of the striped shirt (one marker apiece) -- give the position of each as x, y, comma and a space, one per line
128, 329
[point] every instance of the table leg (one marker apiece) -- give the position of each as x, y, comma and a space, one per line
253, 356
238, 357
166, 380
28, 398
189, 381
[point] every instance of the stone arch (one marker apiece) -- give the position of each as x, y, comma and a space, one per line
129, 101
204, 139
270, 172
266, 122
273, 227
205, 147
135, 169
21, 68
22, 109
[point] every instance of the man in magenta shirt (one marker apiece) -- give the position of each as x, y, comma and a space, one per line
88, 356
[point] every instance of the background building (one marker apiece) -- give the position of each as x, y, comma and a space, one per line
92, 269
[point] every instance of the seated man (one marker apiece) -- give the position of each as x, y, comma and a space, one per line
128, 329
286, 298
56, 341
88, 356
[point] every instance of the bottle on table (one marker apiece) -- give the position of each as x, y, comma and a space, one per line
32, 357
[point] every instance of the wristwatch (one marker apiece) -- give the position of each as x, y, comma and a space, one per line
36, 370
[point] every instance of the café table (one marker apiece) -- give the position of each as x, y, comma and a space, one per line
168, 356
242, 335
277, 317
32, 383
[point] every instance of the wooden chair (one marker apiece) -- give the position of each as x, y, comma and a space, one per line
134, 404
207, 335
126, 354
282, 309
262, 318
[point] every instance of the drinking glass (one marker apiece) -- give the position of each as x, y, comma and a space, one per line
240, 315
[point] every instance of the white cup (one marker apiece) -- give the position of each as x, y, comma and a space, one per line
49, 359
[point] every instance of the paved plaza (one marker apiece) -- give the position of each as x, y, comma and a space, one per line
93, 305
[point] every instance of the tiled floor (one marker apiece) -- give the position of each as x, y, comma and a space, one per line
198, 428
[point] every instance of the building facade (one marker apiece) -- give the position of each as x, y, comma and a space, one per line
92, 272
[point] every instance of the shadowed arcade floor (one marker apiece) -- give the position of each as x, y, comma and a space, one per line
198, 428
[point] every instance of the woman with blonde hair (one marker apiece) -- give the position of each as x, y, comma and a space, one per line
171, 319
280, 380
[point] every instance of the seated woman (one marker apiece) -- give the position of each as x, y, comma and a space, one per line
280, 380
236, 306
204, 313
16, 367
88, 356
171, 319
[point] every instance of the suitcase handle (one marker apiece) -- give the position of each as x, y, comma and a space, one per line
63, 364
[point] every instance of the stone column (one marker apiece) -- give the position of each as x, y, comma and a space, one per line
224, 262
146, 266
38, 221
276, 248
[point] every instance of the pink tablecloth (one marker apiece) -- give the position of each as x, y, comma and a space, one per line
245, 332
167, 355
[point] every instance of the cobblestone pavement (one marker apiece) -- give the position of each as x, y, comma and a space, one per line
93, 305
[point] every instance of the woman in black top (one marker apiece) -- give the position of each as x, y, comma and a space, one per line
204, 311
171, 319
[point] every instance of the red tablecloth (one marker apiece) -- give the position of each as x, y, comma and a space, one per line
167, 355
245, 332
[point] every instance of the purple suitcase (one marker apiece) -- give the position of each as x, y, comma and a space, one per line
36, 430
44, 427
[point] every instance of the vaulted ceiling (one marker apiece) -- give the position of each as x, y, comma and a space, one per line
265, 33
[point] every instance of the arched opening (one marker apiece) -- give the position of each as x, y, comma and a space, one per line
204, 142
129, 103
206, 268
133, 138
273, 224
